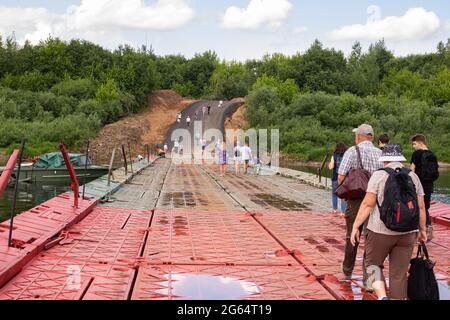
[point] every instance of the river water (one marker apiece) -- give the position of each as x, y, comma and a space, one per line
29, 196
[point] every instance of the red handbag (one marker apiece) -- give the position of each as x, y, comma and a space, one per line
355, 183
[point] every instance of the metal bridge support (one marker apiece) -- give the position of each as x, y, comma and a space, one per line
73, 177
6, 174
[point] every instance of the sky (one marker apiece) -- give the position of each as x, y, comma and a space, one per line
234, 29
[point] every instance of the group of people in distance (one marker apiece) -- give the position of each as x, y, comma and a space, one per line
206, 109
366, 215
242, 155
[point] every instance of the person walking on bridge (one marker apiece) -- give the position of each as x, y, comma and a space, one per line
176, 146
204, 110
209, 110
383, 140
237, 158
334, 165
364, 156
203, 145
394, 191
223, 159
246, 156
188, 121
425, 164
180, 148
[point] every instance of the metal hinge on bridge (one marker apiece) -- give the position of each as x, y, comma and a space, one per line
63, 239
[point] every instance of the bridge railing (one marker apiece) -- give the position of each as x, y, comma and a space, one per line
73, 177
320, 171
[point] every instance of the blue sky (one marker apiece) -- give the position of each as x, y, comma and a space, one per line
250, 30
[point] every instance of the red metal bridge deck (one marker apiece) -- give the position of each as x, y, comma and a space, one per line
184, 250
176, 254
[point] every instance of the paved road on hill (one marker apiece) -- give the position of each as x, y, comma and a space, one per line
215, 120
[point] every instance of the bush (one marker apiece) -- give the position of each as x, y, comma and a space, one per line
286, 90
81, 89
314, 122
34, 148
30, 81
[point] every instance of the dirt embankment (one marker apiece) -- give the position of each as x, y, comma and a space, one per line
238, 119
148, 127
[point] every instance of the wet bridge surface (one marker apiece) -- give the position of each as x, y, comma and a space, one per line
184, 232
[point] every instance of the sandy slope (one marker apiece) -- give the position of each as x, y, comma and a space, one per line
149, 126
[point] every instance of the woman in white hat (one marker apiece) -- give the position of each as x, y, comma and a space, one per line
394, 237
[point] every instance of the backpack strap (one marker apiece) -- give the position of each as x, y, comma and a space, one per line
388, 171
358, 156
406, 170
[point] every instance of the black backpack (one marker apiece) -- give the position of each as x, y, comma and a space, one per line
400, 208
422, 284
429, 169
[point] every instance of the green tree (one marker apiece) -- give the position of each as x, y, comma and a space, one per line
363, 73
198, 72
321, 69
171, 69
107, 91
230, 80
52, 58
276, 65
263, 104
286, 90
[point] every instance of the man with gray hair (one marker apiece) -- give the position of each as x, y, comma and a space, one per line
369, 156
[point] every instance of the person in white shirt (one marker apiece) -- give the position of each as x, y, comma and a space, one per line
220, 104
246, 156
188, 121
176, 146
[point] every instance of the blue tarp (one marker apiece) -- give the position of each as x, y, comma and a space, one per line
55, 160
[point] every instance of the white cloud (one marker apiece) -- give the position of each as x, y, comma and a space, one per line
94, 19
258, 13
29, 22
299, 30
416, 23
162, 15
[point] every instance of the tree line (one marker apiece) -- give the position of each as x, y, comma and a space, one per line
68, 90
